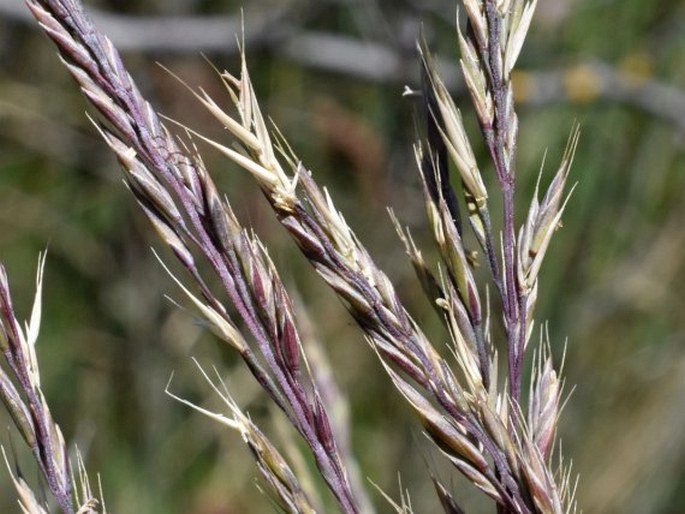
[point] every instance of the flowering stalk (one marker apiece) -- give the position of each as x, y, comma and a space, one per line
489, 419
481, 426
21, 392
28, 409
179, 198
496, 34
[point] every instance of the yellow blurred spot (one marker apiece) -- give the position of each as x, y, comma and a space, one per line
636, 68
522, 84
581, 84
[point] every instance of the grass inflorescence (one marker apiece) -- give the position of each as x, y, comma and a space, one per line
493, 429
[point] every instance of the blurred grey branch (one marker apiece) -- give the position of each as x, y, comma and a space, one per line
174, 33
597, 81
366, 60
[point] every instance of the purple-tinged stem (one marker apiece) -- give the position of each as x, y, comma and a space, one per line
504, 161
61, 489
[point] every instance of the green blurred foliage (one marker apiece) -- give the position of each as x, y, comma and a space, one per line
612, 283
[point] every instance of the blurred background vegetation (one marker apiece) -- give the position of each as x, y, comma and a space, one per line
331, 74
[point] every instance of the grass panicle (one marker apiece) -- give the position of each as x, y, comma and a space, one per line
472, 411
